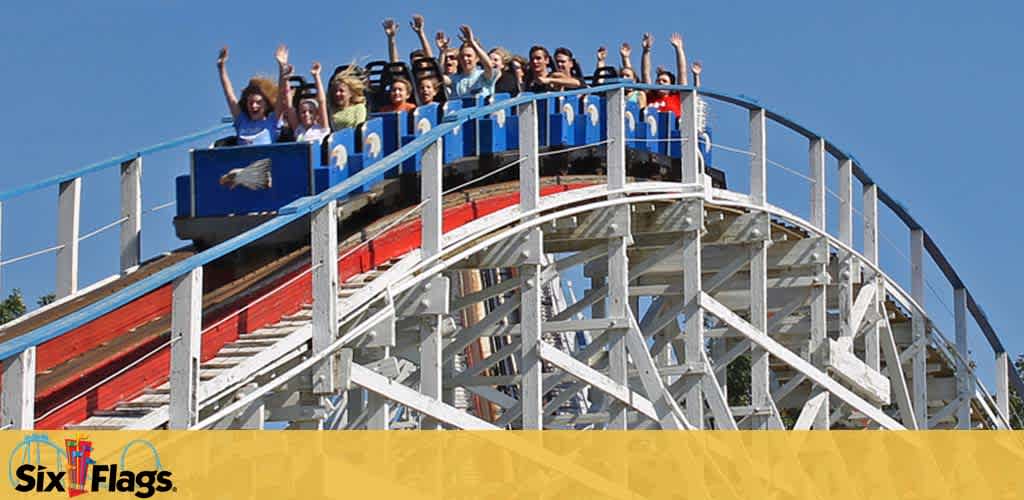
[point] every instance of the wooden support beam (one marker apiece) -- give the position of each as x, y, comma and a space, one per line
131, 214
68, 217
530, 292
324, 236
797, 363
431, 362
670, 416
186, 343
17, 405
895, 371
965, 389
618, 262
919, 326
812, 412
819, 313
760, 375
1003, 384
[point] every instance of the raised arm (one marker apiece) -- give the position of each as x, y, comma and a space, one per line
225, 83
602, 56
284, 92
321, 95
696, 68
677, 43
625, 51
417, 26
467, 37
391, 29
442, 42
645, 58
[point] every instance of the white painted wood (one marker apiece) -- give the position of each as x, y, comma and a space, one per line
598, 381
759, 158
811, 412
530, 314
850, 369
618, 262
919, 326
324, 232
670, 416
688, 128
17, 406
797, 363
399, 393
186, 328
1003, 384
131, 214
865, 300
694, 333
716, 398
431, 362
68, 217
819, 316
963, 377
760, 394
895, 371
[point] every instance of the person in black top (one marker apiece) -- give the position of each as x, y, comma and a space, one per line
507, 83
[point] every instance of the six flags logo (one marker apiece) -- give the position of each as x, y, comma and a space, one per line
83, 474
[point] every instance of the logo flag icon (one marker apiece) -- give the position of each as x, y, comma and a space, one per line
79, 458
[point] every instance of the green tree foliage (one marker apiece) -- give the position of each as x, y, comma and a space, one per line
1016, 404
12, 307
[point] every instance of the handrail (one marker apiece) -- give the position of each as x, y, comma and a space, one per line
112, 162
309, 204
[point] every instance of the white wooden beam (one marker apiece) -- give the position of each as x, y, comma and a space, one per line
895, 371
131, 214
797, 363
694, 337
186, 345
431, 343
17, 406
811, 412
760, 394
688, 129
399, 393
963, 377
1003, 384
68, 215
618, 262
670, 416
324, 235
530, 314
919, 326
819, 312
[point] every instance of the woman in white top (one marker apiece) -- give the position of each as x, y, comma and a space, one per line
310, 121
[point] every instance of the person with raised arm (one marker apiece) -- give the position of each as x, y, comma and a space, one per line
627, 72
664, 100
254, 117
310, 121
449, 57
471, 80
390, 30
417, 27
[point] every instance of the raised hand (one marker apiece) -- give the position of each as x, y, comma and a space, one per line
417, 23
315, 70
696, 67
442, 40
660, 70
625, 50
390, 27
281, 54
466, 34
648, 41
677, 41
602, 54
223, 56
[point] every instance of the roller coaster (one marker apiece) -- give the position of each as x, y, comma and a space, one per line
412, 274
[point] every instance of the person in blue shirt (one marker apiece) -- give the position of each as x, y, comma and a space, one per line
255, 119
472, 80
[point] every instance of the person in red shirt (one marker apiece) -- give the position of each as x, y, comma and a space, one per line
401, 89
663, 100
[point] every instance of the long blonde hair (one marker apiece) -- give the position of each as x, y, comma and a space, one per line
355, 85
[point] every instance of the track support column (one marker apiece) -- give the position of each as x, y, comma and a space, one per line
919, 329
324, 228
819, 312
872, 339
694, 336
17, 408
131, 215
760, 396
431, 363
68, 212
186, 335
1003, 384
964, 388
530, 313
618, 242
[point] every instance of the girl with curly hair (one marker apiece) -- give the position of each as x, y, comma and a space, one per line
255, 119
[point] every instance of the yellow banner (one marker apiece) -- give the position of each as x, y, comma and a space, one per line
551, 464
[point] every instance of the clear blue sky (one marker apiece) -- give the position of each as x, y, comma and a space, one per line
922, 95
